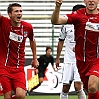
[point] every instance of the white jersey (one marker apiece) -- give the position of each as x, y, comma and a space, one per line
70, 71
67, 34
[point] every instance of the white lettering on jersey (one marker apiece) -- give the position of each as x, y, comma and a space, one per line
96, 71
15, 37
92, 26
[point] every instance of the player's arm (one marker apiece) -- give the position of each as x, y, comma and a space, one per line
55, 18
59, 49
60, 45
34, 62
52, 63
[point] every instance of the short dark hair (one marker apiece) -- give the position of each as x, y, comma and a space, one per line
9, 9
78, 6
48, 47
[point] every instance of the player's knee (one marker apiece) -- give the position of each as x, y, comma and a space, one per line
93, 84
20, 96
92, 88
77, 86
66, 88
7, 98
7, 95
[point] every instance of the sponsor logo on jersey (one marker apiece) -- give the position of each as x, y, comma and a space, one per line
92, 26
15, 37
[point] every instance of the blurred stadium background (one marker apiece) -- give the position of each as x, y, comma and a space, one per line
38, 13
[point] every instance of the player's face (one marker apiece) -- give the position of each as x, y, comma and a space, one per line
48, 52
91, 6
16, 15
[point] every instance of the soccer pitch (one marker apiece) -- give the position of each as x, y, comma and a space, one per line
46, 97
50, 97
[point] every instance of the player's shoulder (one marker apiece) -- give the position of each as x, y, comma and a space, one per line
51, 56
42, 56
67, 26
81, 11
4, 18
26, 24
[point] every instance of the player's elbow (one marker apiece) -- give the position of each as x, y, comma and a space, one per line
53, 21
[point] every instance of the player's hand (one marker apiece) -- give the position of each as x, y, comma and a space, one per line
57, 63
58, 3
55, 70
34, 63
73, 49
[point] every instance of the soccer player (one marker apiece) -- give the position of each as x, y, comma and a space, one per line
13, 34
86, 25
70, 71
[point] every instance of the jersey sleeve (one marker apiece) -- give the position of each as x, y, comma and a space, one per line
31, 33
70, 18
75, 17
3, 20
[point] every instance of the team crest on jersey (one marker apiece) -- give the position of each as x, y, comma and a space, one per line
25, 33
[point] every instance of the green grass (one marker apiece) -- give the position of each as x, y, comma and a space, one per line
49, 97
46, 97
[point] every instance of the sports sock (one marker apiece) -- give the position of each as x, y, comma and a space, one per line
63, 95
93, 96
13, 97
81, 94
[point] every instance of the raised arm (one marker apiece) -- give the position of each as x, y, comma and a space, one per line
56, 18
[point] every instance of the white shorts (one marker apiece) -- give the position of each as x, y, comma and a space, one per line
70, 73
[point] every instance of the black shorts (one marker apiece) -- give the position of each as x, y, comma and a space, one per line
41, 74
41, 71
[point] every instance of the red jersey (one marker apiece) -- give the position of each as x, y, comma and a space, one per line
86, 34
12, 42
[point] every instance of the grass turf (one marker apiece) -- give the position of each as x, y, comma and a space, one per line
46, 97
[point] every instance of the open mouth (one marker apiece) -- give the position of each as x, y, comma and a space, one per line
91, 4
19, 17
